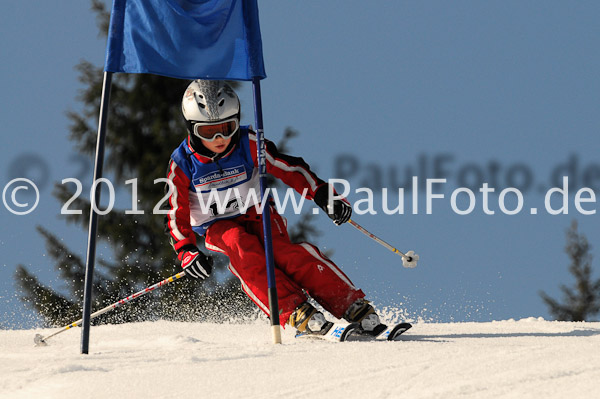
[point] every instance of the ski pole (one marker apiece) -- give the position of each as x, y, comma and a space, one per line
41, 341
408, 260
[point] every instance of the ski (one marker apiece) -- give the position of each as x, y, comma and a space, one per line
390, 333
337, 332
342, 331
394, 332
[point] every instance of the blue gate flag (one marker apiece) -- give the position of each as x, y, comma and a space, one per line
186, 39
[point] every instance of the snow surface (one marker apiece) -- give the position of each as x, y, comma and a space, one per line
529, 358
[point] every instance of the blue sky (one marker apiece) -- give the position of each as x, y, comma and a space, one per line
487, 91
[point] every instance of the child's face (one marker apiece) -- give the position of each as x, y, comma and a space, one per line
218, 145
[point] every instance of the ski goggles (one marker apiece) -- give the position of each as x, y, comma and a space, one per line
210, 131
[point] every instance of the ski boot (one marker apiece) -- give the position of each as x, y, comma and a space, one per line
308, 320
363, 313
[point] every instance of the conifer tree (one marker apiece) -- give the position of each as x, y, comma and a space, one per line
583, 300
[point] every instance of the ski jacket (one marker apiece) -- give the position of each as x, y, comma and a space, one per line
205, 190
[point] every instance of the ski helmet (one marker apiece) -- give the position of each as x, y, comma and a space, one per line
207, 102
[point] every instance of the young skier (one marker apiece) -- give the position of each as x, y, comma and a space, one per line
220, 156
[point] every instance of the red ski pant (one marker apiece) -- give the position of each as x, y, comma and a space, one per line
299, 268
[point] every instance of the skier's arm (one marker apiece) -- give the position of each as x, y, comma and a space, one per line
293, 171
296, 173
177, 221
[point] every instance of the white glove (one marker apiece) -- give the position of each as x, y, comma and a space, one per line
412, 263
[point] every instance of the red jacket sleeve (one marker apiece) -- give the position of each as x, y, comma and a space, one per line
177, 221
293, 171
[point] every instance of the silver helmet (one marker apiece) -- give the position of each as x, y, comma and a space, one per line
209, 101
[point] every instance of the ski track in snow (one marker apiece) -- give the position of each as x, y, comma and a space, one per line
529, 358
